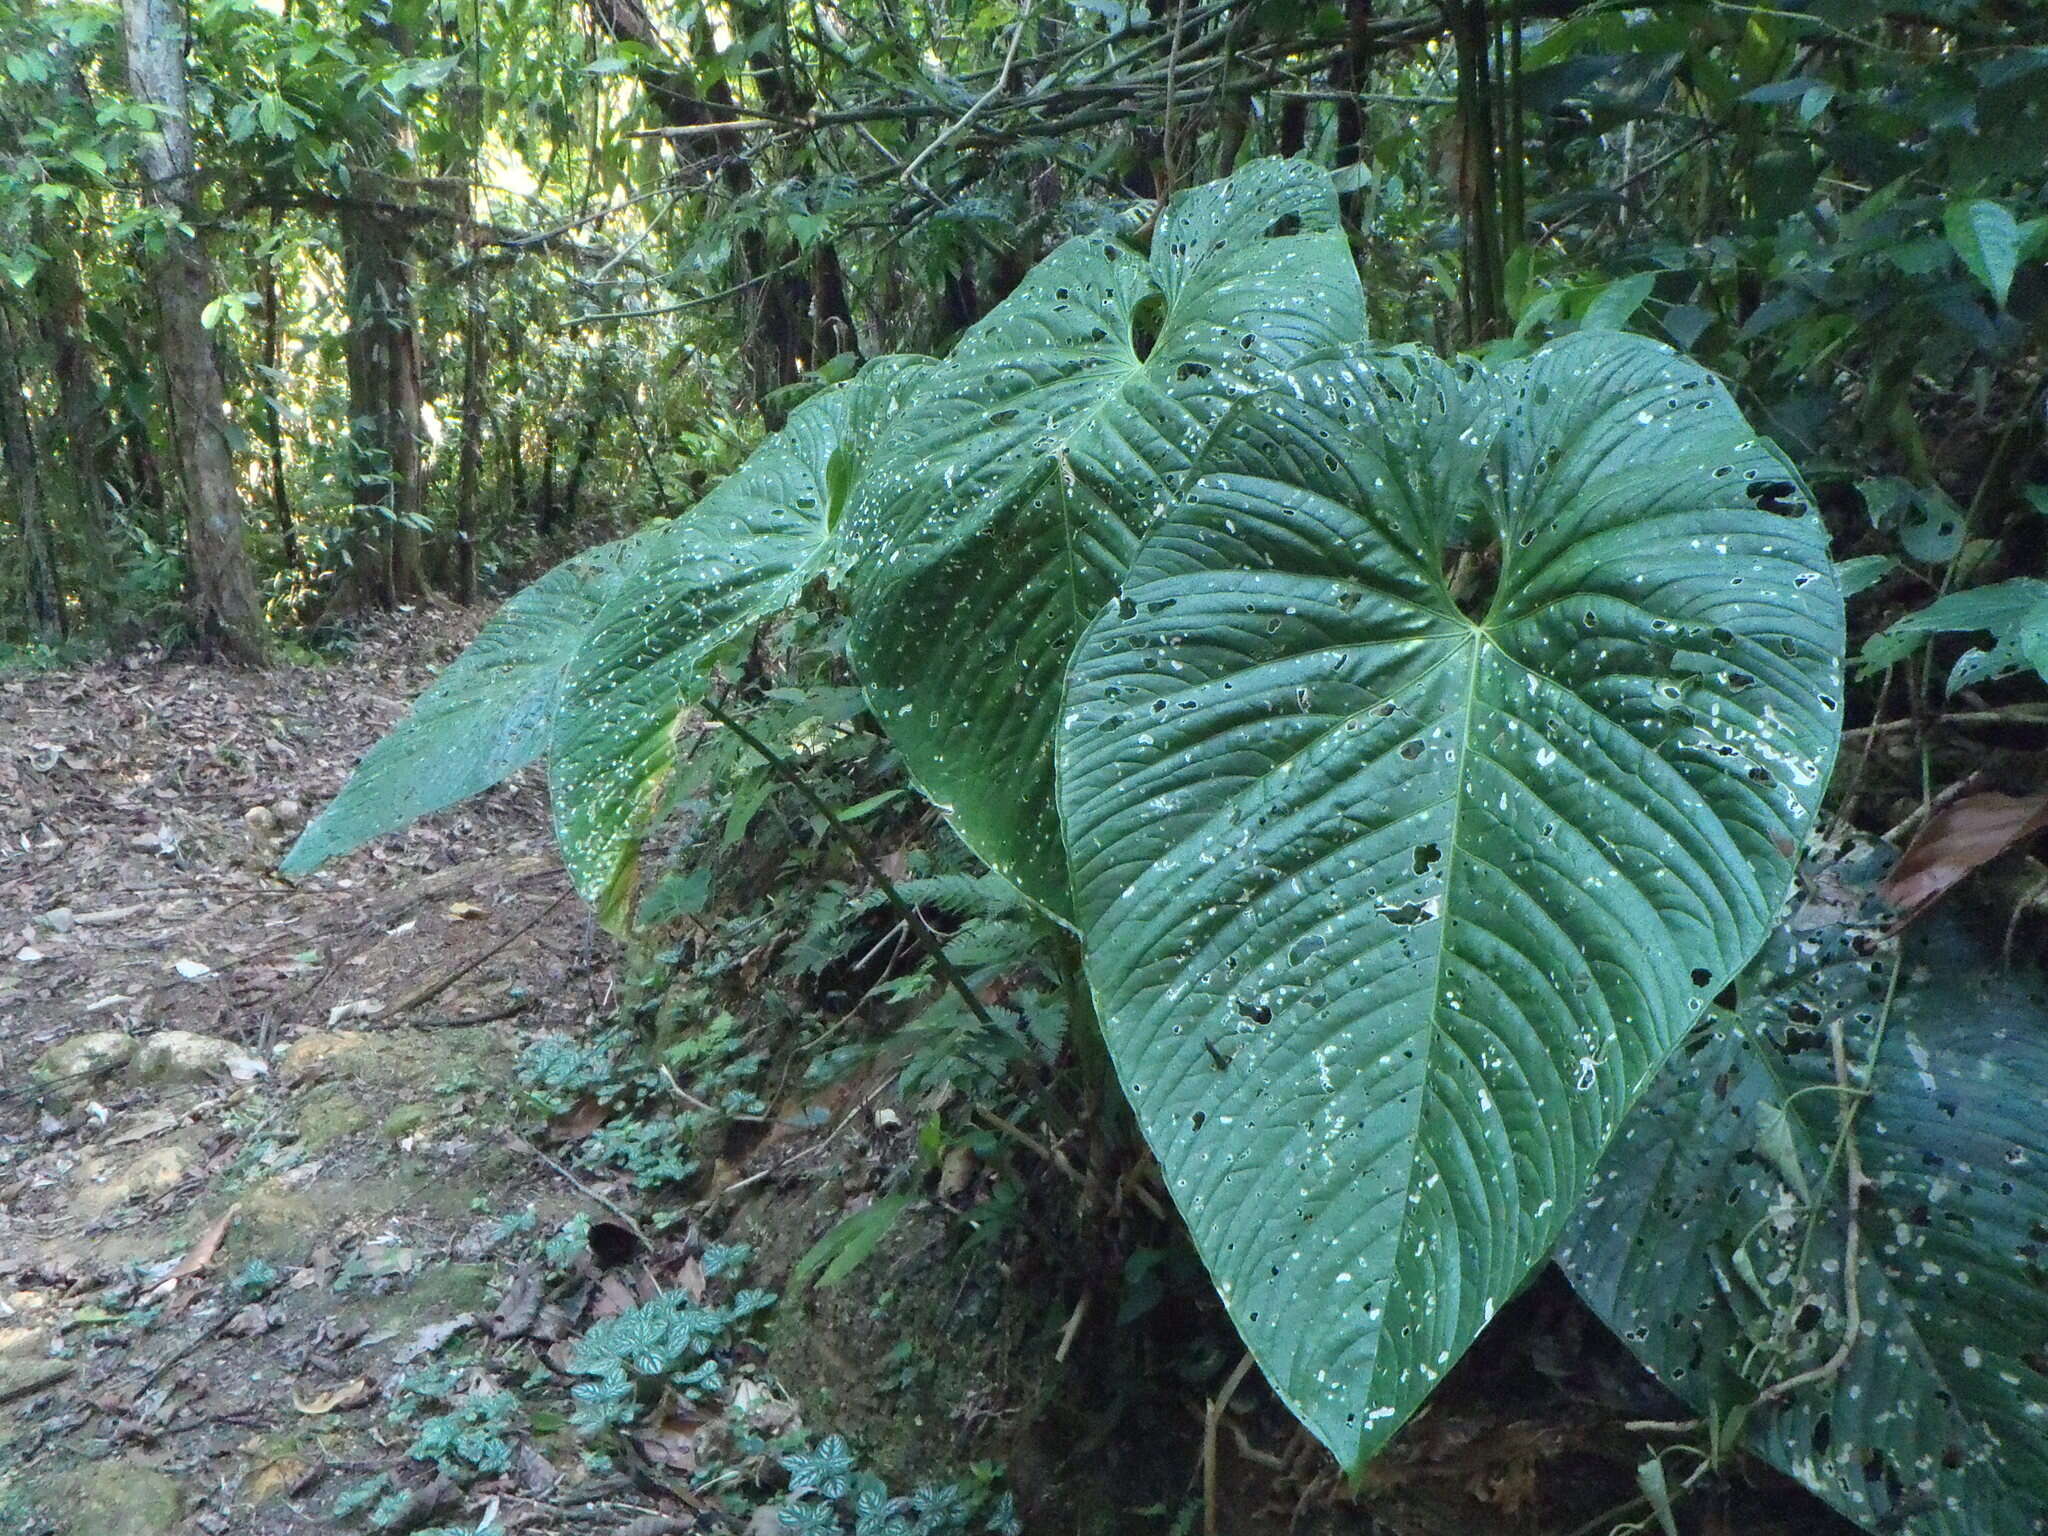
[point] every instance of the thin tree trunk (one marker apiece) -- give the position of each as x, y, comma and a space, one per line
470, 466
226, 613
24, 476
273, 429
82, 424
514, 431
572, 489
384, 410
545, 507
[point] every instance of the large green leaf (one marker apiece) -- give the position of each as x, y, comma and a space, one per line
1017, 487
1716, 1236
485, 717
745, 552
1391, 912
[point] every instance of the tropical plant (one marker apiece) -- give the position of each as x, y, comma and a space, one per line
1825, 1228
1416, 747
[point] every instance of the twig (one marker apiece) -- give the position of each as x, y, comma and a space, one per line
580, 1187
1852, 1237
469, 1020
434, 989
1210, 1420
1073, 1328
980, 102
2015, 714
926, 939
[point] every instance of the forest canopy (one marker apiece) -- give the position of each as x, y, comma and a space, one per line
466, 285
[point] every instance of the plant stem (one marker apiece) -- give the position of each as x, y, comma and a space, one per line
927, 941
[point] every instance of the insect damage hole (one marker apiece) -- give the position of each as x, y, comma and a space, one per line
1148, 318
1471, 576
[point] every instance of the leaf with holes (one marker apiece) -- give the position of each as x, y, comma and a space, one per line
2013, 613
1721, 1262
1446, 749
485, 717
1016, 489
745, 552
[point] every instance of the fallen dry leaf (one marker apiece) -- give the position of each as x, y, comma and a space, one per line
466, 911
250, 1322
208, 1245
1959, 838
350, 1394
519, 1308
432, 1337
671, 1444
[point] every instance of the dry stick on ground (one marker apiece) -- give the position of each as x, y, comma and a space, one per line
434, 989
580, 1187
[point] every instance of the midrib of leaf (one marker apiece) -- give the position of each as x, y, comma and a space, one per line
1221, 814
1430, 1096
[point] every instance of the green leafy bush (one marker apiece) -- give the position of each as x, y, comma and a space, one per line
1417, 748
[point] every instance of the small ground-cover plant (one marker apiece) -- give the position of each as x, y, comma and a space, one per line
1417, 748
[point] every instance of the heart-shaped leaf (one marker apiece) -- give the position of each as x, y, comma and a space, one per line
1716, 1237
486, 716
744, 552
1016, 489
1395, 893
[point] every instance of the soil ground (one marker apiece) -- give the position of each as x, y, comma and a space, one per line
217, 1281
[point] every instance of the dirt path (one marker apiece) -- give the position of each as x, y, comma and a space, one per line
238, 1174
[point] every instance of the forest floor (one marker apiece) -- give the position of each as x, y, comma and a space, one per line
276, 1211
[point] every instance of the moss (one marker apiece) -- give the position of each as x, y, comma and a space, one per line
113, 1498
404, 1120
325, 1114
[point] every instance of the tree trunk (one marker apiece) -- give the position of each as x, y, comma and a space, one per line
226, 613
545, 507
24, 477
572, 489
384, 410
514, 429
82, 419
273, 429
470, 466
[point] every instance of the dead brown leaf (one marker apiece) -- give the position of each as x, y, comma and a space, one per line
1958, 839
353, 1393
671, 1444
579, 1120
208, 1245
519, 1308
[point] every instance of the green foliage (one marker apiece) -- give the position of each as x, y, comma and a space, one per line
848, 1245
830, 1496
486, 717
2013, 613
668, 1345
1395, 898
1022, 477
1827, 1222
1430, 694
649, 1133
710, 579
